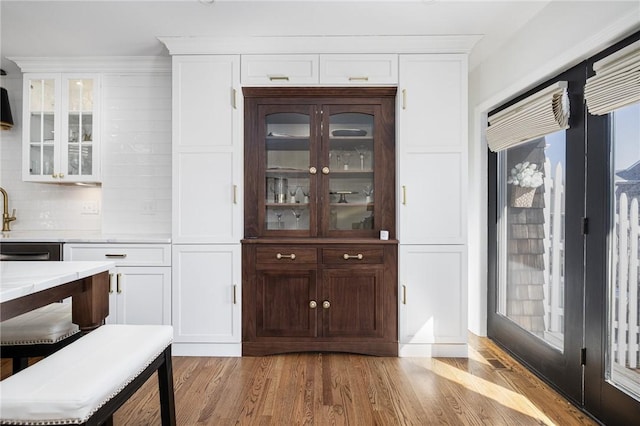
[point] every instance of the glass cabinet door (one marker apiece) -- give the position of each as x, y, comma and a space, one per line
42, 126
289, 178
349, 149
79, 135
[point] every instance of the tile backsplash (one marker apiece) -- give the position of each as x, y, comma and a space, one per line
135, 196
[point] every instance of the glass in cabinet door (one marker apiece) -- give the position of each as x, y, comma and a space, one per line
80, 128
351, 177
288, 184
42, 104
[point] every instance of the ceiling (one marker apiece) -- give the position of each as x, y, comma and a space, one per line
130, 28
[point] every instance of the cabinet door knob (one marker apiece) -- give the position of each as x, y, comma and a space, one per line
313, 304
55, 175
60, 175
358, 256
291, 256
326, 304
325, 170
313, 170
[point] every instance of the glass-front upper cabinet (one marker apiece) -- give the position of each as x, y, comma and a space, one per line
319, 167
60, 132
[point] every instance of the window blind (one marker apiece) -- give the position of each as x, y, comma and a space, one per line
616, 83
540, 114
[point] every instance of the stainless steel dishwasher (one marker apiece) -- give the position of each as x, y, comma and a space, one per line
30, 251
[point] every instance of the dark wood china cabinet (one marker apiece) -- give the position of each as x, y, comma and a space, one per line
319, 188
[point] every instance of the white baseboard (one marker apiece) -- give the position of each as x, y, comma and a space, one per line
207, 349
460, 350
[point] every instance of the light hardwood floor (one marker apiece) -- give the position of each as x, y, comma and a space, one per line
488, 388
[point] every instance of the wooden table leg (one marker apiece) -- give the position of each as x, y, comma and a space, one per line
91, 306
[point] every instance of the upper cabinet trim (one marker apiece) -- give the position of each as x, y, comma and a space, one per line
180, 45
97, 64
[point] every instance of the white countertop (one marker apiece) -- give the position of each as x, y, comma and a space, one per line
22, 278
81, 237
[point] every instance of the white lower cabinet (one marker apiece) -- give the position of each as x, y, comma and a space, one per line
140, 287
433, 300
207, 299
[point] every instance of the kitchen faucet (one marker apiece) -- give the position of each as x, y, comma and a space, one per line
6, 219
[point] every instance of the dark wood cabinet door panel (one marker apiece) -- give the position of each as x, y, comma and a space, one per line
284, 303
352, 303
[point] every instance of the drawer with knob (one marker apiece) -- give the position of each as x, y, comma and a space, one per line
286, 255
352, 255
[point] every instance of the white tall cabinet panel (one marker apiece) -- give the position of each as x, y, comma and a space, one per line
206, 298
433, 310
432, 188
207, 204
432, 142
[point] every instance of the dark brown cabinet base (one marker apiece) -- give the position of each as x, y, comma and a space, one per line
319, 295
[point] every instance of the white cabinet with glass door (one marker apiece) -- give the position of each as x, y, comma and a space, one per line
61, 128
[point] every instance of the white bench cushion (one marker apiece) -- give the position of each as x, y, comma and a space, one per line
70, 385
48, 324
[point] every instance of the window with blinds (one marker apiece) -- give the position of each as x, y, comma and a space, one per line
545, 112
616, 83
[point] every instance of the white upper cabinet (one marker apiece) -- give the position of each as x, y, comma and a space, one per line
323, 70
61, 131
279, 70
359, 69
432, 149
207, 149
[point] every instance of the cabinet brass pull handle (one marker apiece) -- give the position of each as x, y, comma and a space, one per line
118, 283
114, 255
325, 170
404, 294
278, 78
404, 98
358, 256
234, 94
326, 304
235, 300
291, 256
313, 304
313, 170
362, 78
404, 195
110, 283
235, 194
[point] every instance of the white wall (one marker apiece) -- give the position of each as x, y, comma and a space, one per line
135, 196
560, 36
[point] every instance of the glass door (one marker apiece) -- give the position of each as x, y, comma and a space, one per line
536, 290
623, 297
288, 191
42, 126
79, 134
350, 187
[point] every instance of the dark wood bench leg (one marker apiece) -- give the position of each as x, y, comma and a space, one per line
165, 384
20, 363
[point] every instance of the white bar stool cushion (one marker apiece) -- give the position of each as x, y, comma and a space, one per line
70, 385
49, 324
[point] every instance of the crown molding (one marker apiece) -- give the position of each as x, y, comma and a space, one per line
191, 45
102, 64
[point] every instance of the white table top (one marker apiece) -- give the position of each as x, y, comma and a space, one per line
19, 279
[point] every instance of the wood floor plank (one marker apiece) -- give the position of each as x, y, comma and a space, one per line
487, 388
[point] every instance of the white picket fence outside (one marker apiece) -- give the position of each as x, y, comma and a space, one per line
553, 254
625, 333
625, 350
